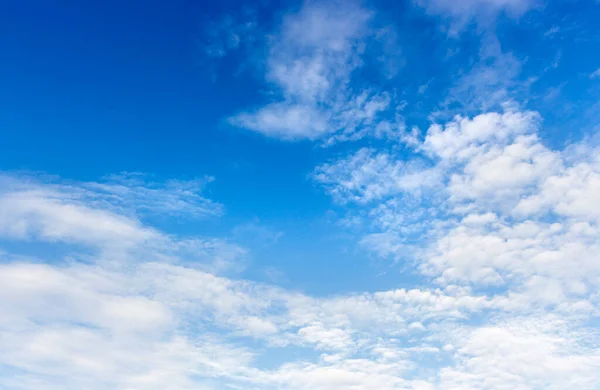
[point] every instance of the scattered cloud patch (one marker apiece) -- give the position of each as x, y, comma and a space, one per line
311, 62
483, 11
511, 213
92, 320
231, 33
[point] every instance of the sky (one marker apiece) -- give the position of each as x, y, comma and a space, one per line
300, 195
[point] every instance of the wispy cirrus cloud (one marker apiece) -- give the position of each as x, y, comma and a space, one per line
231, 33
129, 193
366, 176
107, 215
311, 62
170, 198
482, 11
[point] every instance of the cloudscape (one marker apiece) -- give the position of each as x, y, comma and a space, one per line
300, 195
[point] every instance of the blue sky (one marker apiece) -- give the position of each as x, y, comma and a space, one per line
300, 195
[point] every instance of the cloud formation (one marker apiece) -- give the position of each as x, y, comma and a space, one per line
311, 62
86, 321
495, 228
483, 11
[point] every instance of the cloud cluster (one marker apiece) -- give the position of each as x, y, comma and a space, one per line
501, 230
127, 307
124, 309
497, 178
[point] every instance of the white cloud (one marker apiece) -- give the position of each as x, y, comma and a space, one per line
505, 172
104, 217
595, 74
85, 322
501, 166
359, 373
85, 326
572, 192
493, 80
367, 175
331, 339
170, 198
523, 354
507, 254
45, 215
128, 193
310, 65
462, 138
462, 12
486, 86
385, 245
511, 212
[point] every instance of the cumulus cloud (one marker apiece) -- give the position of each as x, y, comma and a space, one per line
572, 192
491, 163
522, 353
514, 217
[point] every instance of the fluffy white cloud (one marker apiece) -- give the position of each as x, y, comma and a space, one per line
494, 173
498, 163
87, 326
499, 156
462, 138
571, 192
504, 253
505, 171
523, 354
513, 217
48, 215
